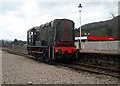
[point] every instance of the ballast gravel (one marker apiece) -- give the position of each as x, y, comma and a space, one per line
22, 70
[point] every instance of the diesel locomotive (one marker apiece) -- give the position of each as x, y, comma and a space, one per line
52, 41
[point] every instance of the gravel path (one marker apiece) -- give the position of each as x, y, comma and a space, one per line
21, 70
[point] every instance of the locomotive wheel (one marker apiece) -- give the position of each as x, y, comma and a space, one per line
66, 53
45, 57
36, 58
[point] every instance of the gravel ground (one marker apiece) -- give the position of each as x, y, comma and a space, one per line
21, 70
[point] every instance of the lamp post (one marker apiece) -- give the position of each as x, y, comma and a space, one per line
80, 9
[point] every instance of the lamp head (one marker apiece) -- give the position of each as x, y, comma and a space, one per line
80, 7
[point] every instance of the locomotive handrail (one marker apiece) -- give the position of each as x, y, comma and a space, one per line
37, 46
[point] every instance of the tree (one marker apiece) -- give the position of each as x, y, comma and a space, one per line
15, 42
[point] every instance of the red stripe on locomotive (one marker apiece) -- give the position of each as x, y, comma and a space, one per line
68, 49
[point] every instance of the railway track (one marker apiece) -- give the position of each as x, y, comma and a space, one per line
78, 66
98, 69
89, 68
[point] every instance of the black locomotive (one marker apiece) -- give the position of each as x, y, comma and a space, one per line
53, 40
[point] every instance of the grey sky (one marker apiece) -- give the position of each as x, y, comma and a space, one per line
19, 15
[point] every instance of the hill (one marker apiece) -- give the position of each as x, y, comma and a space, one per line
102, 28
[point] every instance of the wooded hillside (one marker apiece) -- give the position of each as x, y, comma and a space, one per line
109, 28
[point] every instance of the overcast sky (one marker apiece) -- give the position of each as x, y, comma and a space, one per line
17, 16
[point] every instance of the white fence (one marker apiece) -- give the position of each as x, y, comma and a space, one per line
100, 45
